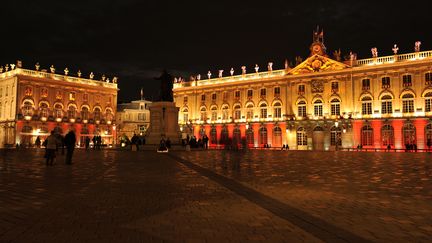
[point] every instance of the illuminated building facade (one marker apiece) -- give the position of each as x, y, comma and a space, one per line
35, 102
322, 103
133, 118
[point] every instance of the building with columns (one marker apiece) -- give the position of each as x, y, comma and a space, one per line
322, 103
35, 102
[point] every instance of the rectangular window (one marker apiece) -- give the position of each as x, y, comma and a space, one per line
386, 107
385, 82
318, 110
301, 89
277, 91
250, 93
185, 99
428, 78
185, 117
249, 114
302, 111
214, 97
366, 84
406, 81
335, 86
263, 112
408, 106
7, 91
428, 105
263, 92
214, 115
277, 112
141, 116
85, 97
237, 114
203, 97
335, 109
237, 94
367, 108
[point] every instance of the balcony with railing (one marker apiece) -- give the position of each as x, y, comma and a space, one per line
395, 58
54, 76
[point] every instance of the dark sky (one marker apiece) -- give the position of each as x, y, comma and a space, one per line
136, 39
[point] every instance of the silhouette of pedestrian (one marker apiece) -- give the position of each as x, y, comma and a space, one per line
70, 140
38, 142
87, 143
50, 148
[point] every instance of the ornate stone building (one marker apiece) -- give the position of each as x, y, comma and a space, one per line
322, 103
133, 118
35, 102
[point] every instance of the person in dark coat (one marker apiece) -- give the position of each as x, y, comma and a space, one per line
87, 143
70, 140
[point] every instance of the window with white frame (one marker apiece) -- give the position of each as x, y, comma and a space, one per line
249, 111
213, 113
301, 109
408, 103
335, 107
225, 113
318, 108
428, 102
301, 137
406, 80
386, 104
277, 110
237, 112
203, 114
367, 136
367, 105
185, 115
263, 109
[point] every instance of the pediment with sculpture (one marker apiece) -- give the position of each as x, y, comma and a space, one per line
317, 63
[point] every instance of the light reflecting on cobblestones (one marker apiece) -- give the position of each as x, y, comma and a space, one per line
381, 196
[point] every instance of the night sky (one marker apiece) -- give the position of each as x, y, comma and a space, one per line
135, 40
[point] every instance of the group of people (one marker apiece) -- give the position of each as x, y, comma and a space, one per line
97, 142
137, 141
193, 142
54, 142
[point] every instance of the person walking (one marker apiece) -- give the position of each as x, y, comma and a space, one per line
205, 141
38, 142
87, 143
70, 140
50, 148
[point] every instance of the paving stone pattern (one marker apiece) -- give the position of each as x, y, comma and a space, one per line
216, 196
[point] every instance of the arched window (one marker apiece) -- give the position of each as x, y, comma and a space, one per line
225, 113
301, 136
367, 136
335, 136
214, 113
408, 103
185, 115
301, 108
224, 136
263, 109
335, 107
367, 105
263, 136
237, 112
318, 108
428, 102
249, 111
236, 136
27, 108
277, 110
71, 112
213, 135
387, 135
58, 111
97, 114
84, 113
203, 114
386, 104
44, 112
409, 134
428, 134
277, 136
250, 136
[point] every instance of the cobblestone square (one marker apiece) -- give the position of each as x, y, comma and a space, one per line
216, 196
